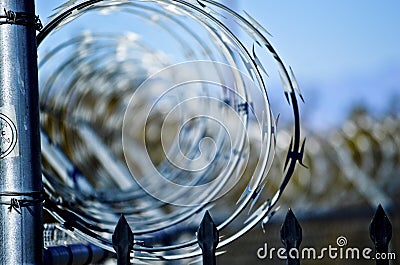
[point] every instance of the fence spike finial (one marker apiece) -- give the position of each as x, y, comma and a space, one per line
208, 237
380, 231
122, 240
291, 237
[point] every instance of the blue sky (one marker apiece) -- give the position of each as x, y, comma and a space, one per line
344, 53
332, 37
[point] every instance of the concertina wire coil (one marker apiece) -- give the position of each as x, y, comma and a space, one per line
160, 110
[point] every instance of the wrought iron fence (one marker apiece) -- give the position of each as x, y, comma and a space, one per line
380, 231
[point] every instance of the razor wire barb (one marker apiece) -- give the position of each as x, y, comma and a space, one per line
71, 196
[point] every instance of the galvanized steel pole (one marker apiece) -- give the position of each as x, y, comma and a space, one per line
21, 236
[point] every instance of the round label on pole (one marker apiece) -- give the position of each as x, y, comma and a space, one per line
8, 134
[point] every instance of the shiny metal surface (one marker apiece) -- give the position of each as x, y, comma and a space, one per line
20, 172
96, 90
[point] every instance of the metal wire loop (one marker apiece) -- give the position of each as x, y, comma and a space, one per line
21, 18
21, 199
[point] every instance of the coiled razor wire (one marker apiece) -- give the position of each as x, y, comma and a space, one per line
159, 111
351, 165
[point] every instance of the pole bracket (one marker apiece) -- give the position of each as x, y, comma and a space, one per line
21, 18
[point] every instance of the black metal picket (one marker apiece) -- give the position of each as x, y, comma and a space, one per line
380, 231
122, 240
291, 236
208, 237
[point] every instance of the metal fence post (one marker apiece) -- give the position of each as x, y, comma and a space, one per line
208, 238
291, 236
21, 229
380, 231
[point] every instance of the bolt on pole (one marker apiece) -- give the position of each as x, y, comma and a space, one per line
21, 233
